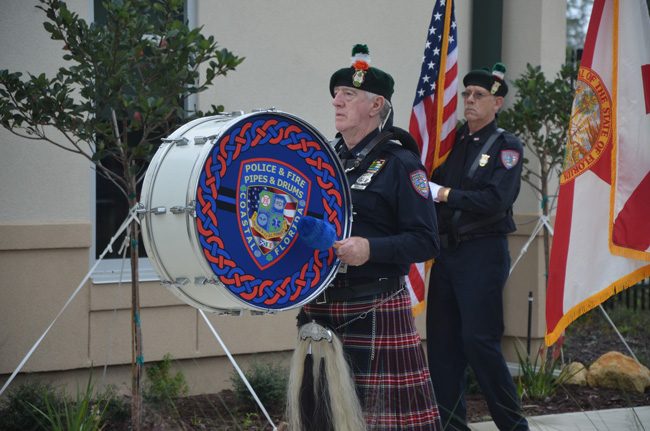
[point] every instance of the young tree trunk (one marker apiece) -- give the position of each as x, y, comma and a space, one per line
545, 231
137, 359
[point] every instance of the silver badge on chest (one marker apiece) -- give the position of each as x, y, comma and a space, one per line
366, 178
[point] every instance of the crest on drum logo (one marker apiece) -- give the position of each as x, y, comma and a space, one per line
271, 200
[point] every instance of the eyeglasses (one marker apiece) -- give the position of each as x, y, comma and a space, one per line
477, 95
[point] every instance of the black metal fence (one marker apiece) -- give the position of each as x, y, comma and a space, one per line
636, 297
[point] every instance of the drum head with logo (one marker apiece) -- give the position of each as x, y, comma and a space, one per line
263, 174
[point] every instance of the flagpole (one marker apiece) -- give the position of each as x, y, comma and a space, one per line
442, 83
615, 55
431, 113
617, 332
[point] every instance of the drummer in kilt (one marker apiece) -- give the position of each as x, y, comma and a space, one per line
393, 225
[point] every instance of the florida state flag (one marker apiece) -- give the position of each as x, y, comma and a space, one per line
601, 243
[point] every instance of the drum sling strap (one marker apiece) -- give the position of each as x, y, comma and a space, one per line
375, 146
457, 232
352, 164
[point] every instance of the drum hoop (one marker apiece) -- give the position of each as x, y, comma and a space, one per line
192, 230
150, 244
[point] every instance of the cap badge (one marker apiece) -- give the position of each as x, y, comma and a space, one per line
359, 76
495, 87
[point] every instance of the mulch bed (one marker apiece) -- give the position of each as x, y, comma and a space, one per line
568, 398
586, 340
223, 412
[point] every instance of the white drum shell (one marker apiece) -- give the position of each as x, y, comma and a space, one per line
170, 239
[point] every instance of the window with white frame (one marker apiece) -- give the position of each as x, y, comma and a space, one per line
110, 207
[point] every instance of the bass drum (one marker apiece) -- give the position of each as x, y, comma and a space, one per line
220, 206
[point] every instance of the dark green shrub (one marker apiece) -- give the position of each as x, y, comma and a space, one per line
16, 411
162, 387
269, 382
117, 410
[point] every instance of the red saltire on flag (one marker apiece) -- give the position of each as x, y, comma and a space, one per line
433, 117
605, 173
630, 211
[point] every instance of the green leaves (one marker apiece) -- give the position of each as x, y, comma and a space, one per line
540, 118
163, 387
142, 59
541, 378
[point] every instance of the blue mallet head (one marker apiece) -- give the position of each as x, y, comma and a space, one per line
316, 233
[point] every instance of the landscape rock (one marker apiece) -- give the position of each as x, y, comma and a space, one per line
574, 373
618, 371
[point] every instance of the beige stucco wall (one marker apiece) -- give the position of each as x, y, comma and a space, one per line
533, 32
45, 228
38, 182
291, 57
47, 195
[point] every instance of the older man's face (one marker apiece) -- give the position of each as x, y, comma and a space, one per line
480, 106
351, 109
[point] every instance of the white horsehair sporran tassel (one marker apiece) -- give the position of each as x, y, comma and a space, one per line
321, 394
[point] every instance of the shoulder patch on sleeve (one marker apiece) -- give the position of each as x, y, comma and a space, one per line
420, 183
509, 158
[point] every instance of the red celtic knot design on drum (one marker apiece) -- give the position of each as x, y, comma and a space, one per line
255, 185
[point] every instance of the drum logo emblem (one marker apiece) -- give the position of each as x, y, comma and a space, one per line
271, 200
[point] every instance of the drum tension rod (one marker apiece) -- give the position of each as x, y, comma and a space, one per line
180, 209
141, 209
179, 142
202, 281
177, 282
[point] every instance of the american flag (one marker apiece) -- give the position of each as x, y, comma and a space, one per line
433, 117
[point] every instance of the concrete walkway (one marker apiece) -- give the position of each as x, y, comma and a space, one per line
625, 419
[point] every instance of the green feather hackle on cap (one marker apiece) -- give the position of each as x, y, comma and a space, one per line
362, 76
499, 67
360, 49
499, 70
492, 80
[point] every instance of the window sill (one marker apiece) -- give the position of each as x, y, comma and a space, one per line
110, 271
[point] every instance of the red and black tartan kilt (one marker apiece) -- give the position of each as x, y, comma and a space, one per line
390, 371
